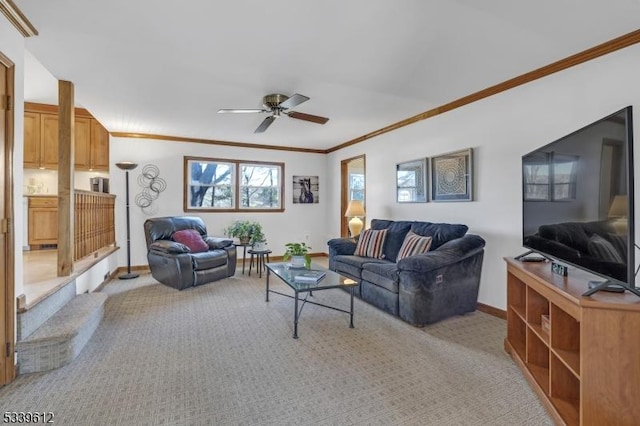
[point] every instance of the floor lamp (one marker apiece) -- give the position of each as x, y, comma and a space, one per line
126, 166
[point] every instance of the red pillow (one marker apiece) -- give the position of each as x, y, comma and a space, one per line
192, 239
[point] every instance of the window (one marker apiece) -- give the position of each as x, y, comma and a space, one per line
232, 185
550, 177
356, 186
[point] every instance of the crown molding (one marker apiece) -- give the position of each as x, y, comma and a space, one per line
215, 142
17, 18
610, 46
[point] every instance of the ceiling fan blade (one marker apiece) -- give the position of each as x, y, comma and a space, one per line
293, 101
308, 117
240, 111
265, 124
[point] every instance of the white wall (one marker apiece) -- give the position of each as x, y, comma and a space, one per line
296, 223
500, 129
91, 279
12, 46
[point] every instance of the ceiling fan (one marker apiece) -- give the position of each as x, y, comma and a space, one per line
275, 105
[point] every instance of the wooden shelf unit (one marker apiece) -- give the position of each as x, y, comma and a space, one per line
586, 369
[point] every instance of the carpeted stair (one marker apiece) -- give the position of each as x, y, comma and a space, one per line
54, 331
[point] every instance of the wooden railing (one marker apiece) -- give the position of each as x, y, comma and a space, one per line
94, 222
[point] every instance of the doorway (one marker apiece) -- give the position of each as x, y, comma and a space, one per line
7, 224
353, 184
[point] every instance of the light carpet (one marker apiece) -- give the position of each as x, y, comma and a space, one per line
218, 354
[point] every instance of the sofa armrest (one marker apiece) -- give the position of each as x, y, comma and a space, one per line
168, 247
449, 253
341, 246
218, 243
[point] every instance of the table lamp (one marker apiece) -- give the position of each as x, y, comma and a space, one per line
355, 210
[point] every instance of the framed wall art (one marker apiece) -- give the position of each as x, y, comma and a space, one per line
411, 181
452, 176
306, 190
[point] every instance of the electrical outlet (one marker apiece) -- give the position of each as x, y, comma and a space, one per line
439, 279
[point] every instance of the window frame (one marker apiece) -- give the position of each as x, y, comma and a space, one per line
551, 161
235, 184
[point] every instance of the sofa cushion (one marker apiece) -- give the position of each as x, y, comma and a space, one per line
414, 244
209, 259
439, 232
192, 239
351, 264
396, 231
371, 244
570, 234
603, 249
383, 275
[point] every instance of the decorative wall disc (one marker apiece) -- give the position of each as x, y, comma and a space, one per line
152, 185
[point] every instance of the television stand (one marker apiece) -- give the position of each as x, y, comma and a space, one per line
614, 287
579, 354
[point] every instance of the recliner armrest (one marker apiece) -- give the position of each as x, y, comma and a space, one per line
338, 246
449, 253
218, 243
167, 246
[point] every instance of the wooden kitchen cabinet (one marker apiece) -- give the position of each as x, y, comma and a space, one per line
43, 221
82, 144
99, 146
49, 143
91, 139
40, 141
32, 140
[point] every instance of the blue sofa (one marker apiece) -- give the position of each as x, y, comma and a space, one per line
423, 288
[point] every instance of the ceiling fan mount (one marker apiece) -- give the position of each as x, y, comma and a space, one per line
273, 100
276, 104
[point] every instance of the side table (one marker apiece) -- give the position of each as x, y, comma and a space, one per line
260, 256
244, 252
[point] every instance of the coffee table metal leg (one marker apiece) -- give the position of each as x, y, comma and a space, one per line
295, 318
351, 313
268, 273
260, 263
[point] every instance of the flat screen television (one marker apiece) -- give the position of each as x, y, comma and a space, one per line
578, 201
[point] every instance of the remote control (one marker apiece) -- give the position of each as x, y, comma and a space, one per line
533, 259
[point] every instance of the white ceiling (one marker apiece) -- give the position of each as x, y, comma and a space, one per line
166, 67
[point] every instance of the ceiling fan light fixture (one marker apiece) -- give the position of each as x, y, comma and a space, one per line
277, 104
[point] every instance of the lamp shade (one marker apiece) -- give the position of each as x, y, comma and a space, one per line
126, 165
355, 209
618, 207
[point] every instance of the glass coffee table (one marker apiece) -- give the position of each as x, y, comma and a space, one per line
330, 280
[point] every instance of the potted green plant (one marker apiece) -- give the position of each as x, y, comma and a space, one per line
298, 253
246, 231
257, 240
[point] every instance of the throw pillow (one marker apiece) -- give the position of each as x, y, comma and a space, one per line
371, 243
619, 243
192, 239
603, 249
414, 244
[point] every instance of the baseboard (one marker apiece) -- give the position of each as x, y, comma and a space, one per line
136, 268
492, 311
111, 276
